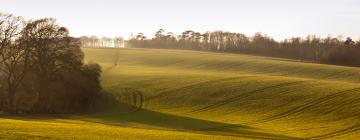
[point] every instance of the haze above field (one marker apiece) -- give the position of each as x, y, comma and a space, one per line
278, 18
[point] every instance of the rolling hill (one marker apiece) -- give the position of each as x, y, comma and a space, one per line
178, 94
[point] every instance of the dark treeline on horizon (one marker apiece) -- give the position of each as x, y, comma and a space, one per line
42, 69
328, 50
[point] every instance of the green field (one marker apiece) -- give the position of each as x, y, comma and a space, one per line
174, 94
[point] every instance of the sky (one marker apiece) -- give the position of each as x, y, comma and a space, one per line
277, 18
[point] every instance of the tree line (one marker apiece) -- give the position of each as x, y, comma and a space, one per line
94, 41
42, 69
330, 50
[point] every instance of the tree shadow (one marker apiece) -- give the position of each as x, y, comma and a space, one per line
125, 113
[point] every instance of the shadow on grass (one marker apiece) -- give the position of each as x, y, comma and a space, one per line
125, 113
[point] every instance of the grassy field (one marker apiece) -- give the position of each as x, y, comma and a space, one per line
173, 94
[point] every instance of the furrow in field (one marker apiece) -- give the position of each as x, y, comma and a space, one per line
342, 132
227, 88
305, 106
243, 95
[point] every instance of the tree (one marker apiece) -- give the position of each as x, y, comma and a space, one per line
349, 42
51, 49
85, 41
358, 43
140, 36
159, 34
118, 42
42, 66
94, 41
13, 56
10, 27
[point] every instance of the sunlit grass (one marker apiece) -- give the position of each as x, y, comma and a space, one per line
202, 95
73, 129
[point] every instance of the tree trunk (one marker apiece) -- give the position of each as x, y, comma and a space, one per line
11, 100
40, 96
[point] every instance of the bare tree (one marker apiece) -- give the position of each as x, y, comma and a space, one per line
10, 26
15, 68
13, 56
94, 41
118, 42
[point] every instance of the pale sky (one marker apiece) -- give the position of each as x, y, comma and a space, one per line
277, 18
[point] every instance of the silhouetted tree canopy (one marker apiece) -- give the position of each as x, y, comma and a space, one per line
42, 69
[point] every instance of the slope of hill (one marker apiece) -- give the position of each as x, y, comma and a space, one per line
199, 95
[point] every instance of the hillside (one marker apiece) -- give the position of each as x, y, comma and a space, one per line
174, 94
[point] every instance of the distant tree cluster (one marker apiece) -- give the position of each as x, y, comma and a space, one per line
94, 41
42, 69
312, 48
